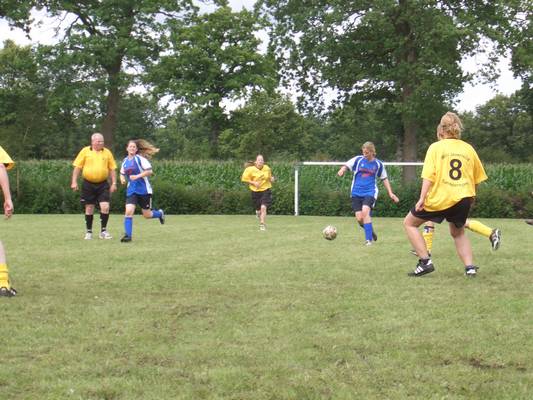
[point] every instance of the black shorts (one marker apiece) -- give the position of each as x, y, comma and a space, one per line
458, 213
143, 200
263, 198
358, 202
92, 193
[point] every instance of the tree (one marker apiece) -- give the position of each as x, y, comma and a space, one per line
269, 125
111, 38
214, 59
406, 52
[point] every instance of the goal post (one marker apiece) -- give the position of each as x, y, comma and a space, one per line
298, 166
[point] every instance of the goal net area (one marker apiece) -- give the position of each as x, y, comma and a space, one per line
318, 190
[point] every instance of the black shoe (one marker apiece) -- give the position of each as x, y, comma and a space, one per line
125, 239
471, 270
5, 292
423, 268
374, 236
162, 217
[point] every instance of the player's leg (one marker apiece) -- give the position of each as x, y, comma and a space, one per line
266, 201
464, 249
411, 223
427, 233
494, 235
367, 224
89, 215
5, 285
104, 197
131, 202
145, 202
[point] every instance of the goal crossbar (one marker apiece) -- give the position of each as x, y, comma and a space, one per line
299, 165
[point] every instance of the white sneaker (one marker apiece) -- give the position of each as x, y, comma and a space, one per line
262, 227
105, 235
368, 243
88, 235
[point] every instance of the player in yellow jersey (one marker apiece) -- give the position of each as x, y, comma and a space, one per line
6, 163
451, 172
259, 178
97, 165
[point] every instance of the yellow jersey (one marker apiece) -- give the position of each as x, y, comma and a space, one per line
5, 159
455, 169
263, 175
95, 165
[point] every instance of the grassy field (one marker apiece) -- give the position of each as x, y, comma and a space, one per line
208, 307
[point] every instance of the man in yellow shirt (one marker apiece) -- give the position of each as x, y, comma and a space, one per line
450, 174
6, 163
97, 165
259, 178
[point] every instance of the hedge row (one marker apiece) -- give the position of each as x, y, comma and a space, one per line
214, 188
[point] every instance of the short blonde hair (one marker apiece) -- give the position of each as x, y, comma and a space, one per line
450, 126
369, 146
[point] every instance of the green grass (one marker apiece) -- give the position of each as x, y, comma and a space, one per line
208, 307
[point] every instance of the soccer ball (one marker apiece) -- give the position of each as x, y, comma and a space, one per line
329, 232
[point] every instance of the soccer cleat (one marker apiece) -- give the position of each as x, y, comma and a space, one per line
471, 270
162, 217
262, 227
423, 268
125, 239
88, 235
105, 235
374, 236
368, 242
7, 292
495, 239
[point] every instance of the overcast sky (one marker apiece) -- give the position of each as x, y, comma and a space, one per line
473, 95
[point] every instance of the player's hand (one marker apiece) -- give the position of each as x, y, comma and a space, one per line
8, 208
394, 198
74, 186
341, 172
134, 177
419, 206
113, 187
257, 184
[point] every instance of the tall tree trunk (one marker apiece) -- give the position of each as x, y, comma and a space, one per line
109, 123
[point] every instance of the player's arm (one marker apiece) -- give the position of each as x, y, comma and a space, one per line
426, 185
75, 175
342, 170
113, 175
4, 184
146, 172
387, 185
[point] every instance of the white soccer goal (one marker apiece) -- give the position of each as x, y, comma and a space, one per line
304, 163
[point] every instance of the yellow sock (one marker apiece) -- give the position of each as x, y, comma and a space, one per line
428, 236
478, 227
4, 276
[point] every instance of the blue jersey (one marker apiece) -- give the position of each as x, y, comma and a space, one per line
135, 166
365, 174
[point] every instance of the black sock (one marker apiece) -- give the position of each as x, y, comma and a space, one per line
89, 222
104, 218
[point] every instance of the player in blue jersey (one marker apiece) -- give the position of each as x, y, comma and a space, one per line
135, 171
366, 169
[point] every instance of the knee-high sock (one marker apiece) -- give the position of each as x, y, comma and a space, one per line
89, 222
128, 226
478, 227
368, 231
428, 236
4, 276
156, 214
103, 219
